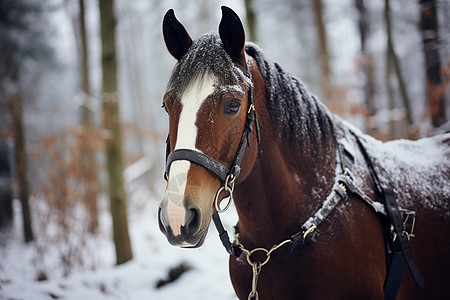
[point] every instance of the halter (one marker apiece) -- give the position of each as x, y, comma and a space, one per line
226, 176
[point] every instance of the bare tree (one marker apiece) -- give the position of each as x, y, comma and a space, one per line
323, 55
13, 53
88, 161
251, 21
436, 86
396, 63
366, 63
21, 162
111, 122
390, 93
6, 196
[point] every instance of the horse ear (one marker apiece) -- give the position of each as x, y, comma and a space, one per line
232, 34
176, 37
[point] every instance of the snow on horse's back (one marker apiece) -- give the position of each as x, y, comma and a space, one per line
419, 170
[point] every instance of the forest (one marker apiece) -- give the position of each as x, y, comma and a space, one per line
82, 130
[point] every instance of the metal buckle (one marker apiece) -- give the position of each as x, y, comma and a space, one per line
309, 230
409, 222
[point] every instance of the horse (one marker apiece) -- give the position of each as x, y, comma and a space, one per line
325, 211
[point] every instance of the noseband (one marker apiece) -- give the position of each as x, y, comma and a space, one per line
226, 175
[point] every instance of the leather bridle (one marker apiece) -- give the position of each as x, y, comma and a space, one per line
226, 175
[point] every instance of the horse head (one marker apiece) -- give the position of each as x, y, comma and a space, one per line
208, 101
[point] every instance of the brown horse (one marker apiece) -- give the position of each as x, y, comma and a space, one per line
313, 194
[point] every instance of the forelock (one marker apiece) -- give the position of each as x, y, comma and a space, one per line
206, 55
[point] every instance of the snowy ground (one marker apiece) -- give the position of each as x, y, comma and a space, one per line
153, 257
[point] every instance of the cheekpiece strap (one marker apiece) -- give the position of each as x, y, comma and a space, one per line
224, 237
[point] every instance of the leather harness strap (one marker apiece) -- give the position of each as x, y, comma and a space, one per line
398, 247
232, 248
401, 238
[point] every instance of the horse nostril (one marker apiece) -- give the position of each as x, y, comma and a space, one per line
162, 226
192, 220
178, 222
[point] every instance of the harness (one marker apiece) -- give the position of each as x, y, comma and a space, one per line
401, 220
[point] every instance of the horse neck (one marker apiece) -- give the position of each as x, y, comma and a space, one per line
289, 180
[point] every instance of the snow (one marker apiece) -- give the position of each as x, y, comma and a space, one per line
208, 277
416, 169
412, 164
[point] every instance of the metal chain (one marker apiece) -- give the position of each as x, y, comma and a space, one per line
256, 268
257, 265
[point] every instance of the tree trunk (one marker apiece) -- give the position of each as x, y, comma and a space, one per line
390, 95
396, 62
6, 192
21, 163
322, 51
435, 85
88, 161
111, 123
367, 65
251, 21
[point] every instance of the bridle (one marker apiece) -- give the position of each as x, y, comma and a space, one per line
226, 175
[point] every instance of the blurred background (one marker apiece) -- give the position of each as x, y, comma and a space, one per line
82, 130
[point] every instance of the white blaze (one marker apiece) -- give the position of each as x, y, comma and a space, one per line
191, 101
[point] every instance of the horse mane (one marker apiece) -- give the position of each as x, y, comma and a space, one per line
206, 55
299, 114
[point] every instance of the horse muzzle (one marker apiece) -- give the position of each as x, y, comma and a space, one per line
181, 225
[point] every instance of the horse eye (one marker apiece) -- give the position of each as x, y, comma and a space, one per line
165, 107
232, 107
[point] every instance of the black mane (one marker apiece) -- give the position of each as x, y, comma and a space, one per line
301, 117
299, 114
